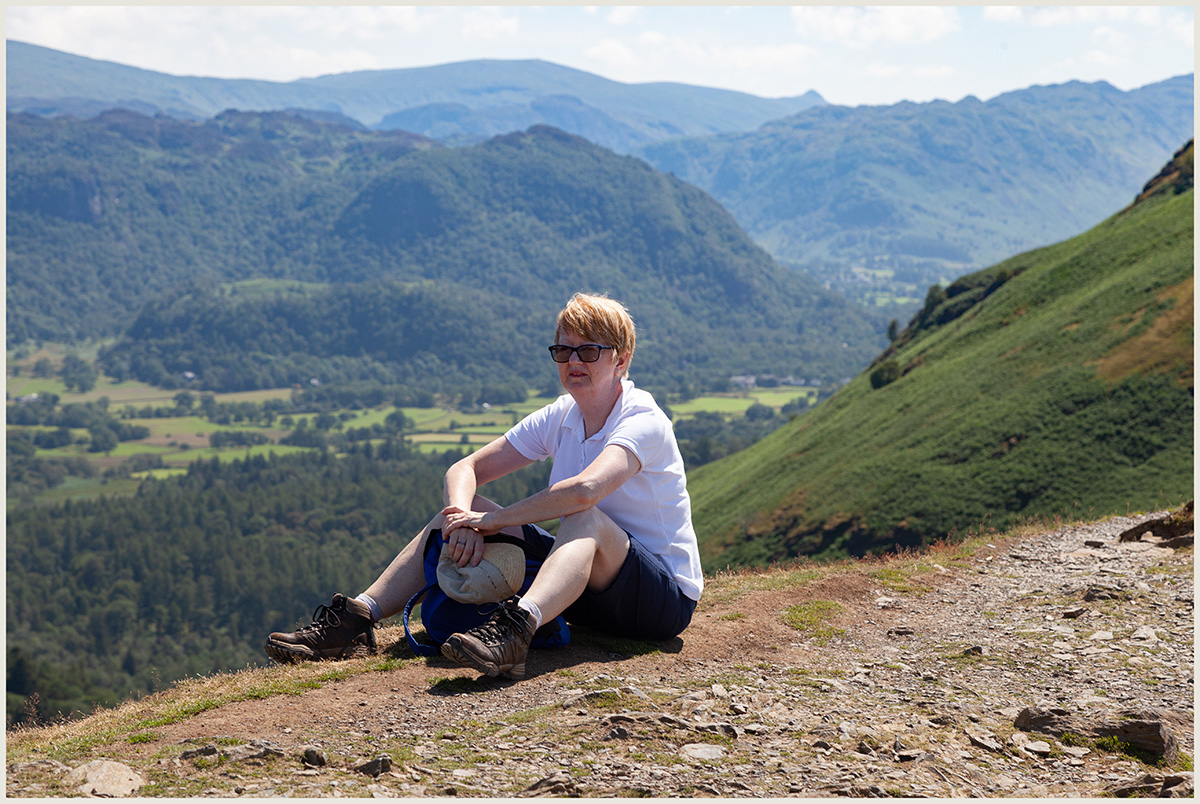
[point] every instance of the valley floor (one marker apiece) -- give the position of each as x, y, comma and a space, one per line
913, 688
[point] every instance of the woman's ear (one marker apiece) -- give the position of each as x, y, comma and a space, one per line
622, 364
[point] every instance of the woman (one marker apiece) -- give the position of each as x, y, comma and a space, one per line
625, 558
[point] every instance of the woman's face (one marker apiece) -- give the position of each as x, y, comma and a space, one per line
579, 377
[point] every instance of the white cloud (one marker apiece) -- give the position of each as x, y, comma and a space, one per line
933, 71
1003, 13
861, 27
1110, 36
623, 15
878, 69
1101, 57
1045, 16
1181, 27
488, 23
613, 55
688, 59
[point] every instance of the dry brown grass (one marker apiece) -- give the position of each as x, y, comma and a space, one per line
1166, 343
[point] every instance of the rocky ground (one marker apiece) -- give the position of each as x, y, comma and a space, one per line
1050, 664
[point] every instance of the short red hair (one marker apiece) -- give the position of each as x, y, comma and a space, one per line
602, 319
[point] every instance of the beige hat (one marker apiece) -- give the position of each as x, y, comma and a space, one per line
498, 576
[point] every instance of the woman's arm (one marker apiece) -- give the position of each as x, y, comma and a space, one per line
612, 467
497, 459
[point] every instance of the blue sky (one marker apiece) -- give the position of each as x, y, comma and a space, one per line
851, 55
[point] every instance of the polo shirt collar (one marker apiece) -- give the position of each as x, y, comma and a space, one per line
574, 420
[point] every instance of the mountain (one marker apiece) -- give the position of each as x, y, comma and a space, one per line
107, 213
1058, 381
128, 223
461, 102
929, 191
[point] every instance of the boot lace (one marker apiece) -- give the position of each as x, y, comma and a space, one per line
503, 625
324, 617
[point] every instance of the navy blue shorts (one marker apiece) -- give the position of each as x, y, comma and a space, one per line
643, 602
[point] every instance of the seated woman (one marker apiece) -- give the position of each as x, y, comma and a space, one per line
625, 558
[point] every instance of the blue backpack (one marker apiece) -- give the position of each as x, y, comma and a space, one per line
443, 615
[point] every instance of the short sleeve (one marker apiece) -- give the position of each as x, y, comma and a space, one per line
642, 434
534, 436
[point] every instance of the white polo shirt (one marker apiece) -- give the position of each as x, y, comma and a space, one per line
653, 505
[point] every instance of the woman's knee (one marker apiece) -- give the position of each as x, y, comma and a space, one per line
592, 523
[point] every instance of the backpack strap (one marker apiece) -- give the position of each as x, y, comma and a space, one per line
532, 550
418, 648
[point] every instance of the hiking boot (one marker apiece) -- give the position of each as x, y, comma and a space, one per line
342, 630
499, 646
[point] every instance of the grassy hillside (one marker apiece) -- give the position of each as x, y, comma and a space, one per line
1058, 381
933, 190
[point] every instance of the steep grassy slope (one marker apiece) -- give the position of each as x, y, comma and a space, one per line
465, 100
953, 185
1058, 381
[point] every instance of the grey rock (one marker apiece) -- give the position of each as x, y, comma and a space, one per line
1156, 785
1103, 592
558, 783
52, 765
702, 751
1145, 730
728, 729
1039, 747
376, 766
209, 750
914, 755
1145, 633
984, 740
257, 749
104, 778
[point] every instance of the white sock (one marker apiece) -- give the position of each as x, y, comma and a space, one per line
376, 614
532, 608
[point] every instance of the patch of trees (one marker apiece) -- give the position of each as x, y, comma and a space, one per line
708, 435
104, 430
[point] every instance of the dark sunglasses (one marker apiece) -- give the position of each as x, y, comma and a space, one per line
588, 353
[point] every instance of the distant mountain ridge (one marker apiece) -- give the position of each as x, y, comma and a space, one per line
462, 102
932, 190
1059, 380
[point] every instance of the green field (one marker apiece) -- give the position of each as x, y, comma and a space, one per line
181, 440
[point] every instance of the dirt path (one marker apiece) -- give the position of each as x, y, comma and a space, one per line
916, 696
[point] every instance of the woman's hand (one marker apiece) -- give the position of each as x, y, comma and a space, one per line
463, 532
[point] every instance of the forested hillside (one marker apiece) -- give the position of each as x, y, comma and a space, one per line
1059, 381
420, 258
108, 213
917, 193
